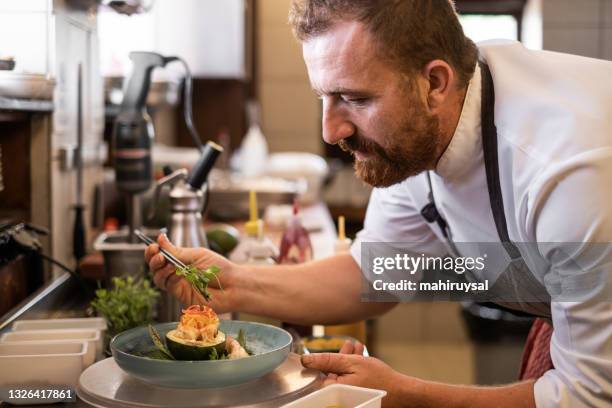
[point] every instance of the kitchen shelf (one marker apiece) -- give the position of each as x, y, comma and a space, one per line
25, 105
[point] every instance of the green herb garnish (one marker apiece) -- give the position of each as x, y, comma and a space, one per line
154, 354
129, 303
214, 355
200, 278
242, 341
159, 343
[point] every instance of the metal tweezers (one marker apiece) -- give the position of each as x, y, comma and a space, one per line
173, 260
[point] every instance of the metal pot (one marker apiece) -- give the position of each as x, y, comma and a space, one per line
121, 257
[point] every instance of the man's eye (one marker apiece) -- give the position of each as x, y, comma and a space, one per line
355, 101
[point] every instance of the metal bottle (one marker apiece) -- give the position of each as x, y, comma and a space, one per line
187, 201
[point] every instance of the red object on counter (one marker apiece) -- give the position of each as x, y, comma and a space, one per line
295, 248
295, 244
111, 224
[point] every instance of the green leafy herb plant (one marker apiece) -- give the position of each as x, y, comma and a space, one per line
127, 304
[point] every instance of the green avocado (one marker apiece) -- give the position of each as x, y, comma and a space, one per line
222, 238
183, 349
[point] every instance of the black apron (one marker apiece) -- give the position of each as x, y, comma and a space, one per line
517, 277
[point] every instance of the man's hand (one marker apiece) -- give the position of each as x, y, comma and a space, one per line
165, 278
352, 368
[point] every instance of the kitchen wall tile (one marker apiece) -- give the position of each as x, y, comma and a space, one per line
452, 362
561, 13
289, 106
409, 358
273, 11
403, 323
607, 13
280, 55
446, 362
606, 34
443, 322
579, 41
498, 362
290, 111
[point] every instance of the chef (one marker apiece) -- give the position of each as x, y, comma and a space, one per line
494, 143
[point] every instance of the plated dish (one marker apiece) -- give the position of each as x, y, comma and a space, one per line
198, 337
201, 351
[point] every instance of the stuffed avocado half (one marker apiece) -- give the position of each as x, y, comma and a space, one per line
197, 337
184, 349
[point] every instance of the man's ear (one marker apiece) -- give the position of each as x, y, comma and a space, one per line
441, 80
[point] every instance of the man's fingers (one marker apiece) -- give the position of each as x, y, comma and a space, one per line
164, 242
347, 347
352, 348
162, 276
186, 255
330, 379
150, 252
358, 348
328, 362
157, 261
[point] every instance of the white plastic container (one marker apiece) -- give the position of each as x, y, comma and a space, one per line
42, 363
97, 323
253, 152
91, 336
300, 166
340, 395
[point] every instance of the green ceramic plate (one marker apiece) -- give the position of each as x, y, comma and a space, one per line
270, 346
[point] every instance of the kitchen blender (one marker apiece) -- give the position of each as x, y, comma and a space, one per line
133, 134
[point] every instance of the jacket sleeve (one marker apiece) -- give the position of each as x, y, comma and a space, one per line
572, 217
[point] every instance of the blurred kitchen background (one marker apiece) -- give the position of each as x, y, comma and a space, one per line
63, 68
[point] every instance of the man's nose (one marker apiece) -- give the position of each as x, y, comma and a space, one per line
335, 126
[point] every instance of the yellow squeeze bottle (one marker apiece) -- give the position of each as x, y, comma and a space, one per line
250, 227
342, 244
254, 248
358, 329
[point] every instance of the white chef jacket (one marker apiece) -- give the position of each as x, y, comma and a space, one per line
553, 114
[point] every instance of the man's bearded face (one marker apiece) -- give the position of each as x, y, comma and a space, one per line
408, 147
370, 107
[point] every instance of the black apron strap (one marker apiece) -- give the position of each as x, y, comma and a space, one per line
491, 161
489, 147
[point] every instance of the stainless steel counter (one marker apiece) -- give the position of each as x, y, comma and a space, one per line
62, 297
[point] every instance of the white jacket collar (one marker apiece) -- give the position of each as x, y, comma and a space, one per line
465, 146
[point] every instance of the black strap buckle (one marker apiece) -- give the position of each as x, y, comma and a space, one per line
431, 214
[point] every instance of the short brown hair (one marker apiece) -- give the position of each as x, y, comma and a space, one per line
411, 33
